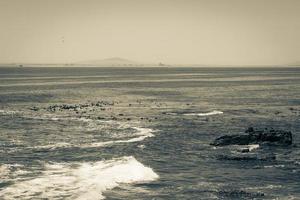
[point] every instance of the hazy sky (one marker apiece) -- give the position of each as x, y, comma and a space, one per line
229, 32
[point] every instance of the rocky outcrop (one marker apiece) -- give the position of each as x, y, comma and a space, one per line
76, 107
256, 136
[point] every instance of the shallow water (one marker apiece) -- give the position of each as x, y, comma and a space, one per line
144, 133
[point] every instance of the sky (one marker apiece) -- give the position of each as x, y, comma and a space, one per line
206, 32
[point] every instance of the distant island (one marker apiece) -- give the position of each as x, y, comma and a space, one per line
115, 61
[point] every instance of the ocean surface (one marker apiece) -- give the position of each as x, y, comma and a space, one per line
145, 133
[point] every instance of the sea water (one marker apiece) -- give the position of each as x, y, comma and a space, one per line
145, 133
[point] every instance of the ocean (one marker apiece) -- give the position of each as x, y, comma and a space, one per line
145, 133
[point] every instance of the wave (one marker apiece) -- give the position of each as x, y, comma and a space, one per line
252, 147
141, 134
215, 112
4, 171
80, 180
274, 166
8, 171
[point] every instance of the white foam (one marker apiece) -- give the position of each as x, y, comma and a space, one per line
252, 147
142, 134
10, 170
4, 171
264, 187
54, 146
215, 112
80, 181
8, 112
274, 166
141, 146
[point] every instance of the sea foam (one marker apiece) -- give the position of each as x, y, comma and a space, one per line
139, 135
8, 112
80, 180
215, 112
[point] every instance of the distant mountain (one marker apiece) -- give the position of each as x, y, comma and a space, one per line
115, 61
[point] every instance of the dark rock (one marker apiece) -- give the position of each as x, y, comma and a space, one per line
232, 139
256, 136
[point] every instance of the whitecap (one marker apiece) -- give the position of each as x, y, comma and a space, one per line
80, 180
215, 112
8, 112
252, 147
54, 146
142, 133
4, 171
141, 146
274, 166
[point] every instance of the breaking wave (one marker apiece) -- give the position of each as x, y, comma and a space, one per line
140, 135
80, 180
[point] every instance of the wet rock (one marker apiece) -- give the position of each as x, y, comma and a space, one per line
256, 136
77, 107
232, 140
